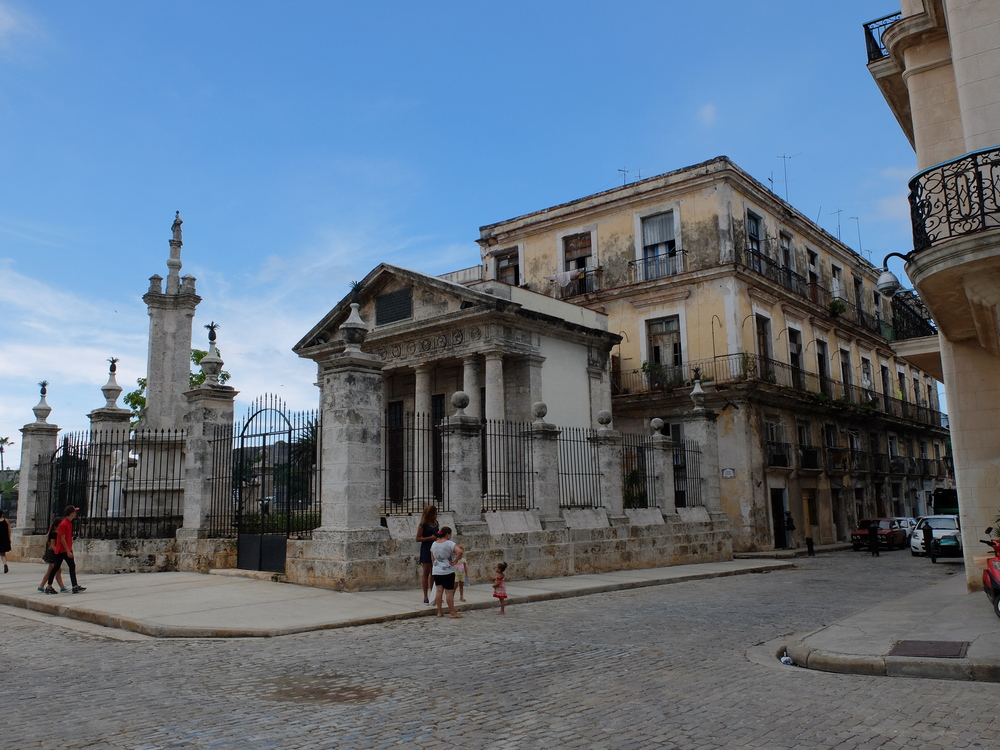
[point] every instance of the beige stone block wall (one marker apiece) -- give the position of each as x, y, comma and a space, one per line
974, 27
937, 119
972, 382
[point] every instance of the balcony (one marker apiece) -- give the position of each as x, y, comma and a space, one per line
955, 199
582, 281
809, 458
751, 368
836, 460
778, 454
873, 36
656, 267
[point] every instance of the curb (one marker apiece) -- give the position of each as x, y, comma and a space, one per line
889, 666
106, 619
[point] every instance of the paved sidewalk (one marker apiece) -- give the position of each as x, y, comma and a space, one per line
228, 605
946, 611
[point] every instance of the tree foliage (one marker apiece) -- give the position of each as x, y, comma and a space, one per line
136, 400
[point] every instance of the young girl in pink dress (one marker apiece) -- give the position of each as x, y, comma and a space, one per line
500, 586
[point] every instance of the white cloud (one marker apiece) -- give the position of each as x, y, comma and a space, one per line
707, 114
893, 207
16, 27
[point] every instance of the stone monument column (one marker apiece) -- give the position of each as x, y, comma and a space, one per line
663, 467
699, 425
39, 441
609, 450
494, 386
169, 360
209, 419
461, 435
545, 462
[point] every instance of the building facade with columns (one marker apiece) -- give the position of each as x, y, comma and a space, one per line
505, 347
937, 63
705, 269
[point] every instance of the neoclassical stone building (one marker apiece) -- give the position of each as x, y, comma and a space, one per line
506, 347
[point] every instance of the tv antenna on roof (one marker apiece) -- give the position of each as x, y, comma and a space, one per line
785, 164
624, 175
839, 211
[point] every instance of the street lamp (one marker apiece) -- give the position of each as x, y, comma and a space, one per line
887, 282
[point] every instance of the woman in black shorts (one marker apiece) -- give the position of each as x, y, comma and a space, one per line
427, 535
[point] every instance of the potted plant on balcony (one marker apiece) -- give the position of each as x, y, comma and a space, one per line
655, 374
837, 307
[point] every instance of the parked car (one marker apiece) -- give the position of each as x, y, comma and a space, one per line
908, 523
890, 534
947, 533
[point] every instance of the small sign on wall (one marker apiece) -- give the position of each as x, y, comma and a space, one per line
728, 473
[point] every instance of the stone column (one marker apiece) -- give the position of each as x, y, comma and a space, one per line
109, 448
496, 460
609, 450
209, 418
422, 486
534, 362
663, 467
39, 441
699, 425
351, 434
545, 463
422, 391
461, 435
470, 385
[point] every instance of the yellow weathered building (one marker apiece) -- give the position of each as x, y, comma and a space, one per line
704, 270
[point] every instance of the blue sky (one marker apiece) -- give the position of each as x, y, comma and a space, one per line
305, 142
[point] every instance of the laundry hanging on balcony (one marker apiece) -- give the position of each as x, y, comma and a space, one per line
565, 278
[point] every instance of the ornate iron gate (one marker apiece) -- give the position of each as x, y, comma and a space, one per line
274, 482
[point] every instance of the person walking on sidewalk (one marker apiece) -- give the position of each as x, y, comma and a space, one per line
64, 551
500, 587
929, 549
873, 538
49, 557
4, 540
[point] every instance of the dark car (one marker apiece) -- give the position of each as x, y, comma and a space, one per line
891, 533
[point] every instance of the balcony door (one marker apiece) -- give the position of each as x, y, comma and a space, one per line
664, 346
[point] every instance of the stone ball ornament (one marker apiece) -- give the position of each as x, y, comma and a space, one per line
604, 417
539, 410
460, 399
657, 425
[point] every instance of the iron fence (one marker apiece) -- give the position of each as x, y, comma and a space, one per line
508, 473
265, 477
638, 472
414, 463
126, 485
687, 474
873, 36
579, 468
656, 267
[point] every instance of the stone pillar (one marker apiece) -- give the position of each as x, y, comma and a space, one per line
609, 451
461, 435
545, 463
39, 440
209, 418
422, 390
495, 406
109, 448
351, 434
470, 385
169, 360
663, 467
534, 362
699, 425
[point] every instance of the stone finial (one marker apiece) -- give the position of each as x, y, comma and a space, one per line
657, 425
460, 400
187, 284
42, 409
156, 284
698, 395
211, 363
354, 329
111, 389
604, 418
539, 410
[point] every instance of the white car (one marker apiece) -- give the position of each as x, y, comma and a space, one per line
946, 533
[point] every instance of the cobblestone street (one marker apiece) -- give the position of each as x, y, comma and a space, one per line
659, 667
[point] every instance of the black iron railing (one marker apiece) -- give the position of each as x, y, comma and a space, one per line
873, 36
778, 454
638, 474
126, 485
955, 199
507, 469
657, 267
585, 282
579, 469
687, 474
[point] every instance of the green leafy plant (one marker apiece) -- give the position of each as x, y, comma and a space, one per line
837, 307
136, 400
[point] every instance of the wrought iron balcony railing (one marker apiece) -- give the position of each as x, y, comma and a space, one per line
656, 267
810, 457
587, 281
873, 36
733, 368
955, 199
778, 454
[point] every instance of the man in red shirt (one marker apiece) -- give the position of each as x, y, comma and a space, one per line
64, 551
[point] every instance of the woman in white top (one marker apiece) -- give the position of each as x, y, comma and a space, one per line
444, 554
